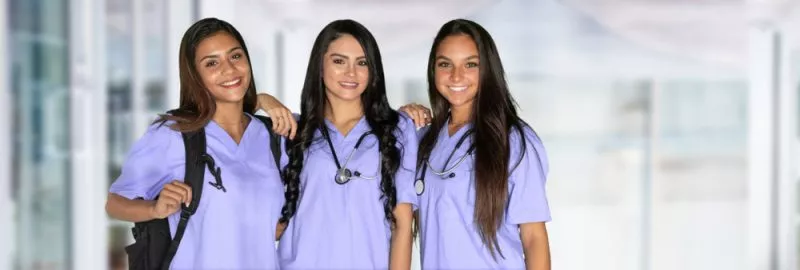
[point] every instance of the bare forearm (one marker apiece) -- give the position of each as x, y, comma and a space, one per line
122, 208
400, 257
536, 245
537, 256
400, 254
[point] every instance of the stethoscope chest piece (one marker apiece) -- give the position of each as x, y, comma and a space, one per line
343, 176
419, 186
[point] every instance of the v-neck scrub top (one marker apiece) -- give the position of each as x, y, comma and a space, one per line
230, 230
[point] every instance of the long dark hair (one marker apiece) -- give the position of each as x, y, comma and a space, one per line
494, 115
197, 105
379, 115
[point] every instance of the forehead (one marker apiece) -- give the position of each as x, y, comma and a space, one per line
346, 45
457, 45
216, 43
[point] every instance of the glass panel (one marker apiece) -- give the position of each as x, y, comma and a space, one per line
700, 193
155, 55
119, 50
594, 132
40, 132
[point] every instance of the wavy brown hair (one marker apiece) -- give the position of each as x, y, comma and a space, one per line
197, 105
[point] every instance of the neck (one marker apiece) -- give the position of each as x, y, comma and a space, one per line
338, 111
230, 117
343, 114
460, 115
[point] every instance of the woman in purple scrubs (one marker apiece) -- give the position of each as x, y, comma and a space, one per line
233, 227
350, 175
482, 169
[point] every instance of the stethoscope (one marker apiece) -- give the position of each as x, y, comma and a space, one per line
343, 174
445, 173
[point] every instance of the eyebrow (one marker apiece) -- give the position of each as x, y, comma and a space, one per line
217, 56
345, 56
448, 59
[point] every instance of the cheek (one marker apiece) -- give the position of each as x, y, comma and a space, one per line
243, 65
441, 77
207, 78
474, 75
330, 72
363, 74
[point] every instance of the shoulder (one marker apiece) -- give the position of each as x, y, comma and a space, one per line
526, 146
160, 133
405, 124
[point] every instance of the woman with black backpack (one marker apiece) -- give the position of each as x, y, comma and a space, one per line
210, 145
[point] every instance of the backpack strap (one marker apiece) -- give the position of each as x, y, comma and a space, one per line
274, 140
195, 144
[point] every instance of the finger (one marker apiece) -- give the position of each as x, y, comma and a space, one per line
419, 119
282, 126
278, 119
271, 114
187, 190
170, 198
287, 126
427, 116
177, 192
183, 190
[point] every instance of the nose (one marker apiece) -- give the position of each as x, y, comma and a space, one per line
351, 71
457, 74
226, 67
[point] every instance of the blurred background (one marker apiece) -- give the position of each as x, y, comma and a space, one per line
671, 125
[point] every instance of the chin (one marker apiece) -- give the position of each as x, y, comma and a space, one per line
231, 97
349, 95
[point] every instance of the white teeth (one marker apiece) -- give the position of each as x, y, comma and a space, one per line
230, 83
348, 84
457, 89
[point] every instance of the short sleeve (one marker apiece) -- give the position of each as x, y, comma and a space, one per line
404, 178
421, 132
150, 163
527, 196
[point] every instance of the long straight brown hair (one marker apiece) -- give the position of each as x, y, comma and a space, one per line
197, 105
494, 115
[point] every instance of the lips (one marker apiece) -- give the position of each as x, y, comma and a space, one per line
457, 88
232, 83
348, 85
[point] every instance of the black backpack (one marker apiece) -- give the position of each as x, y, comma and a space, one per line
154, 247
